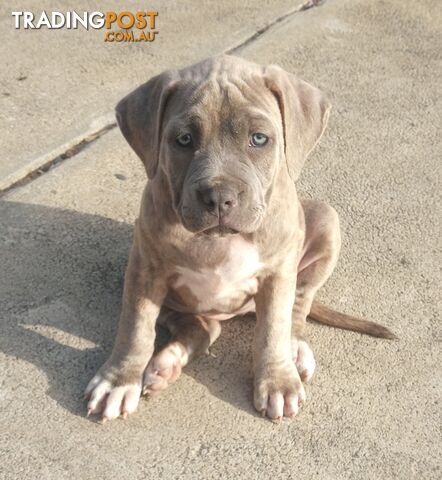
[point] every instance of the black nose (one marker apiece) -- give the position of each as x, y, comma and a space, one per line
218, 200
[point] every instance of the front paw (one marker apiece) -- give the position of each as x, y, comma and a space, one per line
112, 393
278, 391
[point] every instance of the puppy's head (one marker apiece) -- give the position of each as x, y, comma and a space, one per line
221, 132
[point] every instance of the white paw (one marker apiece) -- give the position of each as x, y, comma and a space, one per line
305, 361
279, 393
164, 368
110, 400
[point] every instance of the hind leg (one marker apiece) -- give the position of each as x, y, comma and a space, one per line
191, 336
316, 263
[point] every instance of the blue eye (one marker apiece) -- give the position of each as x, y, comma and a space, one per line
184, 140
258, 139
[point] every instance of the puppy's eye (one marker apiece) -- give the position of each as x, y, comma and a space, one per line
184, 140
258, 140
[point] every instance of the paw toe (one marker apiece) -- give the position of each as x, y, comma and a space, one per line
291, 405
275, 407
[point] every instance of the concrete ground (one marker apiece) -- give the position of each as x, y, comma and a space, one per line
373, 406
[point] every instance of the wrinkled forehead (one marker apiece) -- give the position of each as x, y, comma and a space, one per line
225, 101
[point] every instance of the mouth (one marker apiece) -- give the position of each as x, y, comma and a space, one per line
220, 230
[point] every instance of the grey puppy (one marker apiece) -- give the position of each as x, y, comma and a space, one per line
221, 231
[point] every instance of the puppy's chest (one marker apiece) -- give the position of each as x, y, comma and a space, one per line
224, 286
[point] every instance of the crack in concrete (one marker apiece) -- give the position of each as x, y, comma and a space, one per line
83, 143
70, 152
300, 8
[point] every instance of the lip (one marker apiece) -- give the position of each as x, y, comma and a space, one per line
220, 230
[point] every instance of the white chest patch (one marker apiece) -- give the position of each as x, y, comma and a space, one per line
233, 278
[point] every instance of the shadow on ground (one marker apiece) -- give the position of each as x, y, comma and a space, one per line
62, 275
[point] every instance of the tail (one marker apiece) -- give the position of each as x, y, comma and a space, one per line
327, 316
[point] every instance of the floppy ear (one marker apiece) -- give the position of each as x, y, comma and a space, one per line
304, 112
140, 115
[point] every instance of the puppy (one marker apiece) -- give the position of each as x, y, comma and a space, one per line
221, 231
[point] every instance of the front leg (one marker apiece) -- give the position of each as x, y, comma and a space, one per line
278, 390
115, 389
